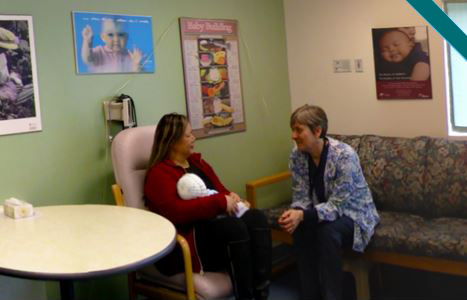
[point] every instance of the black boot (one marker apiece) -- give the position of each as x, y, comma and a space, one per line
262, 260
240, 268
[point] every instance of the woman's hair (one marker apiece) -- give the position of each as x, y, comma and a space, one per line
311, 116
170, 130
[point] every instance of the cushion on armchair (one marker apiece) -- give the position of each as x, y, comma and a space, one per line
210, 285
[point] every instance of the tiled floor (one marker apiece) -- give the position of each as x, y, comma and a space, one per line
285, 286
397, 283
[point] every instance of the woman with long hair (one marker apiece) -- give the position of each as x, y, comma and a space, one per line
218, 239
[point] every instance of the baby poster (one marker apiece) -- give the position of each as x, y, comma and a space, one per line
112, 43
402, 63
212, 76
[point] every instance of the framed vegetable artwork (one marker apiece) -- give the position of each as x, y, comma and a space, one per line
212, 76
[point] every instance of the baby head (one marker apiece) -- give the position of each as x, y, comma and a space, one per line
190, 186
395, 45
113, 35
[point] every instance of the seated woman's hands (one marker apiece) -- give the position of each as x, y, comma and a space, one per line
232, 200
290, 219
235, 196
240, 199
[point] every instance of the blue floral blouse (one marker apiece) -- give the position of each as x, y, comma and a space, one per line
346, 190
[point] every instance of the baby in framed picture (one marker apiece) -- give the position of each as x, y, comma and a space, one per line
400, 55
113, 56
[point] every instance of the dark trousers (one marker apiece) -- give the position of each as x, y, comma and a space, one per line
240, 245
319, 252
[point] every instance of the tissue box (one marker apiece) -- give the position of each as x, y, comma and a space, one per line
16, 209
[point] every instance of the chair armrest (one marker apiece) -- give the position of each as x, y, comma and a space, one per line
253, 185
118, 195
190, 288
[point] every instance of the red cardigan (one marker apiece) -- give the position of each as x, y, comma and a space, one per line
160, 191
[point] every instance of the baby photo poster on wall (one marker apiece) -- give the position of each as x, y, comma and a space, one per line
19, 89
113, 43
402, 63
212, 76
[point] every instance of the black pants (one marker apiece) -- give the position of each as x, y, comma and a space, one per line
240, 245
319, 252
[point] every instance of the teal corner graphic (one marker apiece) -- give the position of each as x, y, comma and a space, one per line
442, 23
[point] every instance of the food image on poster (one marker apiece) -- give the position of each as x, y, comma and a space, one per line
402, 63
212, 76
217, 112
212, 51
205, 59
220, 89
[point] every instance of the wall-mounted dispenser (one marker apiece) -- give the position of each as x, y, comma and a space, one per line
121, 109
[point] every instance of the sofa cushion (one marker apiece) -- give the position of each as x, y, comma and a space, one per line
446, 178
352, 140
394, 169
394, 230
414, 235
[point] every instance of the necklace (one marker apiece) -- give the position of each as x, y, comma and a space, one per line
184, 165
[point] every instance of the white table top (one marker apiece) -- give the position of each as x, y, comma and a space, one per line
80, 241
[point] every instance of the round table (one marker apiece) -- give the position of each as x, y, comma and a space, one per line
81, 241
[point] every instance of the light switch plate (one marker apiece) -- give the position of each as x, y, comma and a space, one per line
359, 65
342, 66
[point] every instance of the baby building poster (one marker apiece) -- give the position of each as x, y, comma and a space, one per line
212, 76
113, 43
402, 63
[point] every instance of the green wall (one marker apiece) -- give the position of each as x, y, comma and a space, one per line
66, 163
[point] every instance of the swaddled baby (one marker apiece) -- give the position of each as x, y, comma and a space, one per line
191, 186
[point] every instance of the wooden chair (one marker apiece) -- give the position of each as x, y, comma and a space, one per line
131, 149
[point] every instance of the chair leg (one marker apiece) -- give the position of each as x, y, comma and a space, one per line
380, 276
359, 269
131, 286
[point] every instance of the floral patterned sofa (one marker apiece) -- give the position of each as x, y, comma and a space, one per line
419, 186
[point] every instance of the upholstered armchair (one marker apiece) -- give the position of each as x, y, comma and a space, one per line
131, 149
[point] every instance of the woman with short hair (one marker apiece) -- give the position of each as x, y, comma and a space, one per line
332, 206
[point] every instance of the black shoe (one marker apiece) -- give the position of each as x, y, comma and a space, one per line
262, 292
